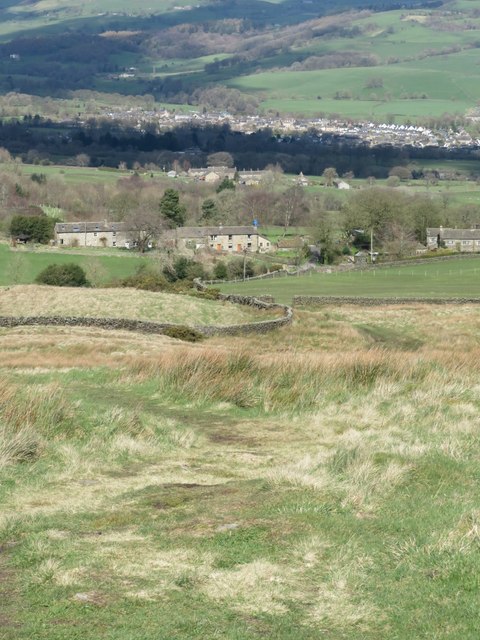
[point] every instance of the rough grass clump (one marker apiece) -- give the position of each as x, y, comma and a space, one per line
18, 445
27, 416
39, 406
278, 382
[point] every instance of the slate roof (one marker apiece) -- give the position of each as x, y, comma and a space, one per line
202, 232
447, 233
89, 227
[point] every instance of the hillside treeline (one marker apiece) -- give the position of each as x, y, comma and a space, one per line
42, 142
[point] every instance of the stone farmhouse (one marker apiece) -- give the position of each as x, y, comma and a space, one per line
212, 174
221, 239
92, 234
465, 240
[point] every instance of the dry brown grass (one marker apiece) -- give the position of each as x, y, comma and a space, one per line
36, 300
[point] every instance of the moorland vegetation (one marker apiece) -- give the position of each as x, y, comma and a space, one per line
309, 483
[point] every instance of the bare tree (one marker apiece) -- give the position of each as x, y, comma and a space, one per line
294, 207
220, 159
145, 227
398, 239
257, 203
329, 175
82, 160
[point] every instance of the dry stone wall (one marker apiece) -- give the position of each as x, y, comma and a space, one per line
142, 326
316, 301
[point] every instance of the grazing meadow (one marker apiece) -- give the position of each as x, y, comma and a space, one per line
423, 65
320, 481
22, 266
452, 278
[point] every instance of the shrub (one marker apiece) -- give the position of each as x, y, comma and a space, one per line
220, 271
147, 281
183, 269
181, 332
235, 268
63, 275
260, 269
41, 178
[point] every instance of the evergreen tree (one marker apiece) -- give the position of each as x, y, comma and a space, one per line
33, 228
226, 183
171, 209
210, 211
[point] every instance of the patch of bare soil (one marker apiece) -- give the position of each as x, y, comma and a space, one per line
9, 600
174, 495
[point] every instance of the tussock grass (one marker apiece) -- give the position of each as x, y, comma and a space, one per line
20, 445
27, 417
275, 383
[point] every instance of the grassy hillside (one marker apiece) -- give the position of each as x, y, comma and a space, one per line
37, 300
450, 278
239, 490
424, 65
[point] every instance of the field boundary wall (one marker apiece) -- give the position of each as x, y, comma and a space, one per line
316, 301
281, 273
142, 326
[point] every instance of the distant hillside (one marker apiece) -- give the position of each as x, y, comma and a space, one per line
365, 59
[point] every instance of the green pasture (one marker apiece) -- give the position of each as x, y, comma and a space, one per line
391, 35
83, 8
76, 175
438, 279
275, 233
22, 266
80, 175
417, 81
163, 67
314, 91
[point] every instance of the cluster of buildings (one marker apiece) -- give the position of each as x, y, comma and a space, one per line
225, 239
231, 239
319, 129
214, 175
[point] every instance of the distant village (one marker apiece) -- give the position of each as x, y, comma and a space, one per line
321, 130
